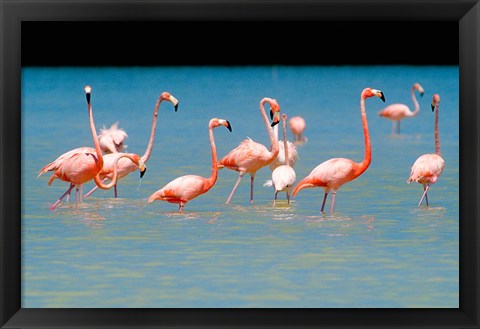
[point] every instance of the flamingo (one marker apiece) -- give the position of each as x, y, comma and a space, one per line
79, 165
283, 176
250, 156
428, 167
397, 112
112, 140
280, 159
332, 174
297, 127
185, 188
125, 167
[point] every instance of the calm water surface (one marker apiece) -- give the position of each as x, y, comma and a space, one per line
377, 250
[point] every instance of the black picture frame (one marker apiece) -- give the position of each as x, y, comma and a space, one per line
107, 19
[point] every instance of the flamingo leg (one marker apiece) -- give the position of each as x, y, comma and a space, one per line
324, 200
275, 199
334, 193
52, 207
252, 178
288, 197
398, 127
180, 207
115, 190
240, 176
76, 197
424, 195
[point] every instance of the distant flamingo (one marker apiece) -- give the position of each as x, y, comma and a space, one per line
112, 140
283, 177
428, 167
397, 112
79, 165
185, 188
250, 156
332, 174
297, 127
125, 166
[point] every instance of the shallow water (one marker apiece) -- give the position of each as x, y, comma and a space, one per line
378, 249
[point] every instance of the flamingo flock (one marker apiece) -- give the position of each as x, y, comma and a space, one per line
107, 161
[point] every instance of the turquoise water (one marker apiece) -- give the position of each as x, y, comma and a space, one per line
378, 249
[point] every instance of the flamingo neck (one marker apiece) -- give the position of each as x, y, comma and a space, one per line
437, 137
362, 166
98, 150
285, 143
213, 177
273, 140
148, 151
415, 103
113, 182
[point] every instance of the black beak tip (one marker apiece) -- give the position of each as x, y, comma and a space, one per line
382, 98
274, 123
142, 173
176, 107
229, 126
433, 108
421, 94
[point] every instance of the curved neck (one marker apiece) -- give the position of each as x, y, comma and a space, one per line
367, 159
213, 177
148, 151
437, 137
273, 140
98, 180
415, 102
98, 150
285, 143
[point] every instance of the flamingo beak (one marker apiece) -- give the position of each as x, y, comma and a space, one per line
276, 118
174, 102
381, 96
433, 107
228, 125
143, 169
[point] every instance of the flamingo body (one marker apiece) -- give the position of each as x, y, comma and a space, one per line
112, 140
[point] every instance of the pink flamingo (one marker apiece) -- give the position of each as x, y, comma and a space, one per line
297, 127
428, 167
125, 166
283, 176
112, 140
185, 188
332, 174
397, 112
250, 156
79, 165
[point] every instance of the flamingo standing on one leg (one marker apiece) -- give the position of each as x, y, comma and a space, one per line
250, 156
332, 174
397, 112
125, 166
112, 140
283, 177
428, 167
79, 165
185, 188
297, 127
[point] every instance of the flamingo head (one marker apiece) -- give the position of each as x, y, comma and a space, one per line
142, 167
370, 92
215, 122
274, 112
418, 87
169, 97
112, 140
435, 101
88, 90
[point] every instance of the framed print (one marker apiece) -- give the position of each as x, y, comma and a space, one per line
376, 224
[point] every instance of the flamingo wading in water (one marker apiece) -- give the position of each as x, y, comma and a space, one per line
79, 165
125, 166
250, 156
398, 111
332, 174
283, 177
428, 167
185, 188
112, 140
297, 127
